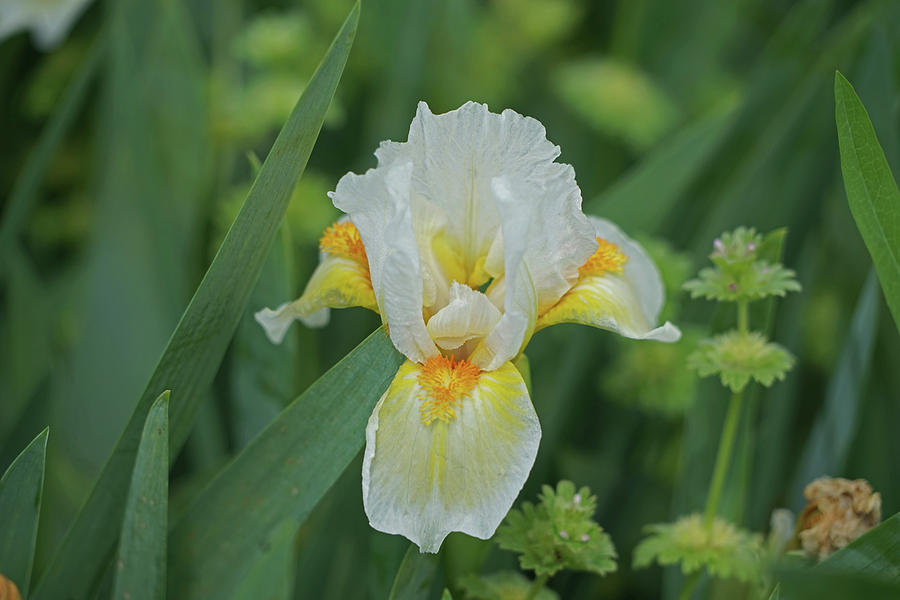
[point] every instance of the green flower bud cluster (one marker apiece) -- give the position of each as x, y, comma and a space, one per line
742, 271
723, 549
745, 269
558, 533
503, 585
738, 357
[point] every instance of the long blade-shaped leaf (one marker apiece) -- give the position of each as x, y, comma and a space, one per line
140, 570
643, 198
828, 444
878, 551
871, 190
28, 182
20, 508
282, 474
415, 576
869, 567
194, 351
271, 576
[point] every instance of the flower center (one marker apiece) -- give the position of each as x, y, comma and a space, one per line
342, 239
606, 259
445, 382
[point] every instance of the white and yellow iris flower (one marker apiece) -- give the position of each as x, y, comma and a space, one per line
467, 239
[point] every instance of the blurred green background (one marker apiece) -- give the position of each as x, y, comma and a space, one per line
681, 120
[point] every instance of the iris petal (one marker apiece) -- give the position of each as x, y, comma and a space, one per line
425, 480
336, 283
626, 302
379, 206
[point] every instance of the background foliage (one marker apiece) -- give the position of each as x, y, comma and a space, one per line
681, 120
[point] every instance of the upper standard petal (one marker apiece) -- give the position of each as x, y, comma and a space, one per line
379, 206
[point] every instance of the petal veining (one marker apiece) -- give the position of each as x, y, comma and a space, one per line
619, 289
341, 280
379, 206
546, 238
456, 156
460, 474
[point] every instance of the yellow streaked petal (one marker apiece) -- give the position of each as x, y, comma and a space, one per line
337, 282
619, 288
607, 301
425, 477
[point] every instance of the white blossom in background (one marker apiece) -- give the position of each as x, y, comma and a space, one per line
467, 239
48, 20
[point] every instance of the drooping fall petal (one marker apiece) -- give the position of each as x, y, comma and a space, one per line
341, 280
448, 447
618, 289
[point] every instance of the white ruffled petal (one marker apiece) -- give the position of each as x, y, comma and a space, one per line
546, 238
456, 155
424, 481
379, 206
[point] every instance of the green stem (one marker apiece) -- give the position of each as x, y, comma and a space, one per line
690, 583
539, 582
743, 321
723, 458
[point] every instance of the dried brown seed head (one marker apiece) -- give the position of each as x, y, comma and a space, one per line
837, 512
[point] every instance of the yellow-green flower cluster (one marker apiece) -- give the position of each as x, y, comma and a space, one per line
558, 533
743, 271
723, 549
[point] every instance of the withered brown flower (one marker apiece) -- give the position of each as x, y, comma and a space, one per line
837, 512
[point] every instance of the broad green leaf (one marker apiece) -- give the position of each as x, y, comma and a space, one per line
869, 567
303, 452
878, 551
871, 190
397, 36
876, 88
264, 377
271, 576
26, 348
192, 356
137, 273
25, 191
20, 507
643, 198
834, 428
140, 568
767, 180
813, 584
415, 576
